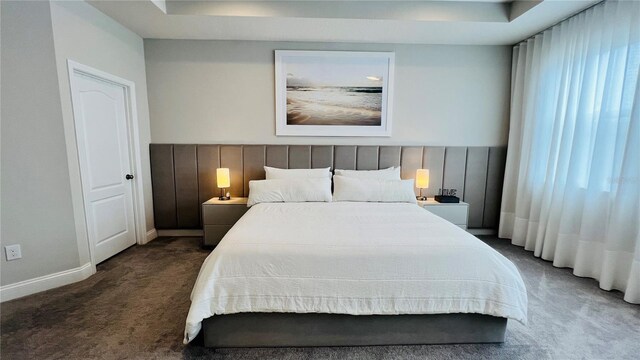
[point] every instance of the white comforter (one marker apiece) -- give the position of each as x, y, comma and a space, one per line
353, 258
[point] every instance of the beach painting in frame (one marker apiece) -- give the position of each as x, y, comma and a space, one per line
333, 93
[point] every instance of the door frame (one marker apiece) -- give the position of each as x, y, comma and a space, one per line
135, 159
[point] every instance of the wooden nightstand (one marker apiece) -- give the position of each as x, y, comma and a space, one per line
456, 213
219, 216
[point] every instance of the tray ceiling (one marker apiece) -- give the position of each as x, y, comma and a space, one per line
419, 22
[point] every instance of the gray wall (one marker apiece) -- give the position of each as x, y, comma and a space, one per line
39, 168
87, 36
223, 92
36, 197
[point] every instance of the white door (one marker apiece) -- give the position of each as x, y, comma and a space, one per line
100, 112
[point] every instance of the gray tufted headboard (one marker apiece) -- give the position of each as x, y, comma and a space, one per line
183, 176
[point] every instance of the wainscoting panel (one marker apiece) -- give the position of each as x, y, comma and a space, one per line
367, 158
321, 156
278, 156
184, 176
475, 183
433, 159
389, 156
455, 164
231, 157
164, 186
299, 157
410, 162
254, 160
208, 162
186, 179
493, 192
345, 157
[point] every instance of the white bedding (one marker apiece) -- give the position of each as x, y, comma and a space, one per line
353, 258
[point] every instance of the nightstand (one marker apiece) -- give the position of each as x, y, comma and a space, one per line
218, 216
456, 213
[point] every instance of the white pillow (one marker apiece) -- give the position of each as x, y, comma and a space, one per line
392, 173
276, 173
289, 190
372, 190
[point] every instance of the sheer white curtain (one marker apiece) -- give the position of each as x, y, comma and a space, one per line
572, 179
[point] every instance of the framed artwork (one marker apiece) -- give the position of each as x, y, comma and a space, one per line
333, 93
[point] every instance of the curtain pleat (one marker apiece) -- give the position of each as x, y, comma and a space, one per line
572, 179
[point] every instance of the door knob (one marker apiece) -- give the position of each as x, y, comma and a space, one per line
128, 177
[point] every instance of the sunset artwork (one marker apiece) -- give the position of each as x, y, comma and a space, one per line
347, 94
340, 91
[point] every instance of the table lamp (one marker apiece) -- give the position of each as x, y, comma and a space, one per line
224, 182
422, 182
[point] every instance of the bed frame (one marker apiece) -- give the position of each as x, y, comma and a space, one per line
294, 330
194, 166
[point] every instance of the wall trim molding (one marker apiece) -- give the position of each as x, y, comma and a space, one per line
181, 232
151, 235
46, 282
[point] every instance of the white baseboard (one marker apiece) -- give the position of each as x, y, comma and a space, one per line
181, 232
46, 282
151, 234
482, 231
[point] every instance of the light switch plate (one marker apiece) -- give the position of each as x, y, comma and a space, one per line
13, 252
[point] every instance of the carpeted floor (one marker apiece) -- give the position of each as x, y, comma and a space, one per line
136, 305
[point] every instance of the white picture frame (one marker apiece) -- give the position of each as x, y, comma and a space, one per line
333, 93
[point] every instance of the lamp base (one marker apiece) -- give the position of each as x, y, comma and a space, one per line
421, 198
223, 196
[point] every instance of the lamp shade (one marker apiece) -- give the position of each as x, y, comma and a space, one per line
222, 175
422, 178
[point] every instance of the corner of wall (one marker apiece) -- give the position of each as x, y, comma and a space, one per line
33, 145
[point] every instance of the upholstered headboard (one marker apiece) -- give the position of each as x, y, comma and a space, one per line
183, 176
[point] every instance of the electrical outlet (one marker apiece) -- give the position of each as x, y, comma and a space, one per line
13, 252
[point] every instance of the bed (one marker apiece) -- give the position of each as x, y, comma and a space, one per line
351, 273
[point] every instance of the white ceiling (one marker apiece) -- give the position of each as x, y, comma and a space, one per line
478, 22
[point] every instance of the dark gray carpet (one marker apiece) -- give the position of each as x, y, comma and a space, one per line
136, 305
